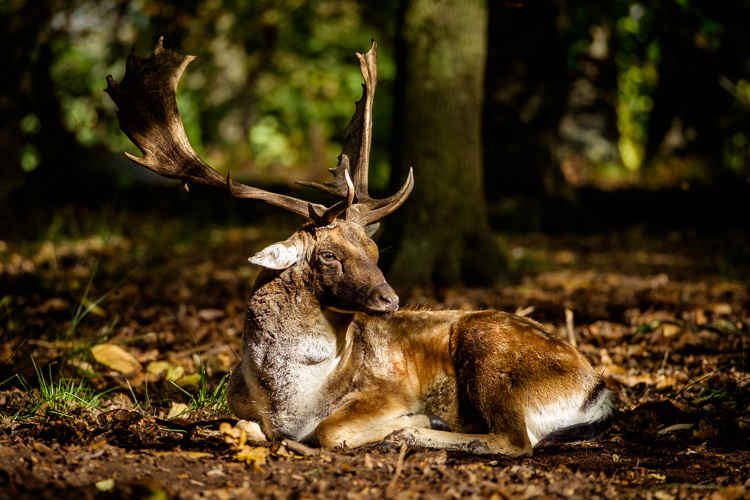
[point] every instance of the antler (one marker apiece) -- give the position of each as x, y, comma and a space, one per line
147, 110
355, 155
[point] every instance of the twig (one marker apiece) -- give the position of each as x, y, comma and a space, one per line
399, 468
60, 344
300, 448
569, 326
700, 379
195, 425
664, 361
675, 427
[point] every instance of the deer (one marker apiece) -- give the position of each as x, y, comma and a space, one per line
327, 356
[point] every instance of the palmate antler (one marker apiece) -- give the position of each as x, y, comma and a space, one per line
355, 155
147, 110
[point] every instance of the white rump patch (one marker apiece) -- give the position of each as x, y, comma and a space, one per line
565, 412
279, 255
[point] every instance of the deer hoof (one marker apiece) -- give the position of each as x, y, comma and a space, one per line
438, 423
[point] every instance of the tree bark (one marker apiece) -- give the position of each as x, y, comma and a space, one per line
443, 236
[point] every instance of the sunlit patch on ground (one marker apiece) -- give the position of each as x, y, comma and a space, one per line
114, 345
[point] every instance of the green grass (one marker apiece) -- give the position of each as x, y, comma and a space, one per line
213, 401
65, 393
55, 395
85, 306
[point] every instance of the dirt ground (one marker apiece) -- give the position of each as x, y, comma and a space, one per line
665, 319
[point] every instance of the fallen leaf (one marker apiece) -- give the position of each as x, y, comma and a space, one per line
157, 367
174, 373
346, 468
233, 434
192, 380
670, 330
659, 380
116, 358
210, 314
255, 456
705, 430
663, 495
105, 484
607, 330
148, 356
52, 305
176, 410
282, 451
700, 317
721, 308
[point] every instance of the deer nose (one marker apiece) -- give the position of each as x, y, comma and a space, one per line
383, 299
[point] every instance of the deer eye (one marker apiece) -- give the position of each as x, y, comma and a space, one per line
326, 255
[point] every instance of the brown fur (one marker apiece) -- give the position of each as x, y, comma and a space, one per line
314, 369
320, 361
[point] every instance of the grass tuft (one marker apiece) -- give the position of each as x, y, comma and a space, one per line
85, 306
58, 396
211, 401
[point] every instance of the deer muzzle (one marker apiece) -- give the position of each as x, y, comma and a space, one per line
382, 300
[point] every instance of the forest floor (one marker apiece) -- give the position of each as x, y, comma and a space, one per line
117, 338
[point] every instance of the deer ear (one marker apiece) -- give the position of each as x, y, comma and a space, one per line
371, 229
279, 255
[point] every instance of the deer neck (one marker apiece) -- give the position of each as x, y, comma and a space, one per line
284, 312
294, 353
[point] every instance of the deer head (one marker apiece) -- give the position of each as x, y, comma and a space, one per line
342, 264
335, 242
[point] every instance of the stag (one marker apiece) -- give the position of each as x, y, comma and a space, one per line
326, 355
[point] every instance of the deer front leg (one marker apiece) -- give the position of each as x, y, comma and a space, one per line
482, 444
507, 435
369, 418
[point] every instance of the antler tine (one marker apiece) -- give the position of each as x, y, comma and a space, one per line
368, 65
356, 152
343, 205
373, 210
148, 114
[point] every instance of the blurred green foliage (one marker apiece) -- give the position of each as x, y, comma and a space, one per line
273, 86
637, 59
657, 86
618, 88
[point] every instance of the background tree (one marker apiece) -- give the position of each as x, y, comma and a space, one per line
445, 235
526, 89
578, 97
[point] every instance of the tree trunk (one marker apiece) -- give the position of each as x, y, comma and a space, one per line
443, 237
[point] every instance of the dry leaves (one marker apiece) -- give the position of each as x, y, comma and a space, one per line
238, 436
116, 358
242, 431
177, 410
255, 456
